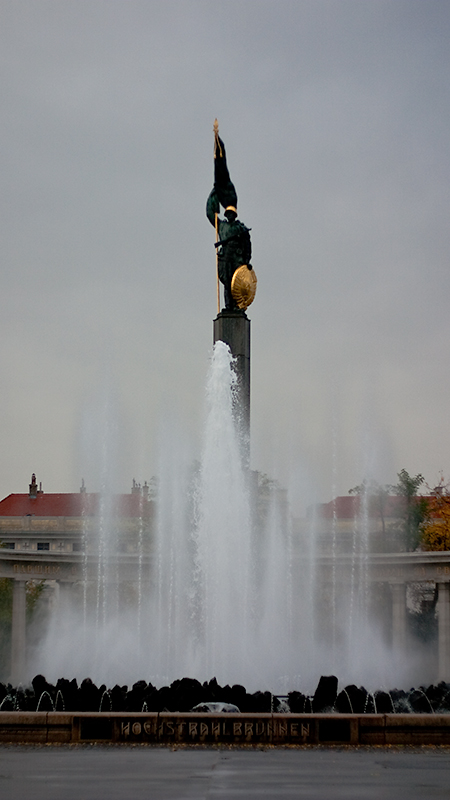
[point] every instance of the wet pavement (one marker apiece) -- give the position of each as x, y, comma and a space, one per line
120, 773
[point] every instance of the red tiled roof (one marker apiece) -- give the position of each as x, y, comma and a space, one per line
74, 505
350, 506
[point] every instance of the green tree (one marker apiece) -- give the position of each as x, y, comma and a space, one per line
415, 508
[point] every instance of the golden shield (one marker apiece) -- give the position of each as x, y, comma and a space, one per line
243, 286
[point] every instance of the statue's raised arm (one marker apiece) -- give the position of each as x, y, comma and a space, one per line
233, 245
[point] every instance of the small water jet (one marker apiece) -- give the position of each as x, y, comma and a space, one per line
45, 703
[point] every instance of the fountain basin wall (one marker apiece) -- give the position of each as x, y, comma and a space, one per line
224, 729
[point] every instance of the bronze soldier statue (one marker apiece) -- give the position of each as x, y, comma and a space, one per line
234, 248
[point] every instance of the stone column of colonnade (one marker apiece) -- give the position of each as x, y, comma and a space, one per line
18, 632
443, 606
18, 627
399, 636
65, 590
399, 626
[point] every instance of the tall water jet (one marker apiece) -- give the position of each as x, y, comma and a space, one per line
221, 602
223, 577
201, 605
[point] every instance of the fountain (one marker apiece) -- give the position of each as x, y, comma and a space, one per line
225, 588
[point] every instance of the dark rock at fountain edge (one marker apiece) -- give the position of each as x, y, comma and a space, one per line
383, 703
89, 696
182, 695
351, 700
296, 702
40, 685
118, 697
325, 694
69, 693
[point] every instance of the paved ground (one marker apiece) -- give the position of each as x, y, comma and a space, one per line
135, 773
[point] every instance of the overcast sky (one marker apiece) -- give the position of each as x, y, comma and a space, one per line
336, 118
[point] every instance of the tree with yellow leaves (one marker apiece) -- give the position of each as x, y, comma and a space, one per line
436, 531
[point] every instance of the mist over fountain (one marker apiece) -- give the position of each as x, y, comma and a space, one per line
225, 588
218, 597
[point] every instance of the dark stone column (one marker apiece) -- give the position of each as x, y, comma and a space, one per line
233, 328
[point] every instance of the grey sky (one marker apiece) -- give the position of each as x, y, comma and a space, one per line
336, 119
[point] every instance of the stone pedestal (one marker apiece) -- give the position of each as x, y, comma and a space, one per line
18, 633
233, 328
443, 606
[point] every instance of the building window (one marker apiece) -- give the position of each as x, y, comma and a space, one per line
43, 545
9, 545
76, 547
